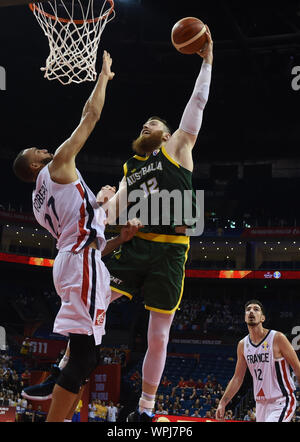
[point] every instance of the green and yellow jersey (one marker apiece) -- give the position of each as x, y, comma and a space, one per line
159, 174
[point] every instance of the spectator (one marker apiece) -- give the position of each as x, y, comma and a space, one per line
176, 409
28, 414
182, 397
248, 416
197, 403
19, 412
39, 415
12, 400
103, 412
119, 408
107, 359
199, 384
165, 382
98, 412
160, 410
92, 412
6, 400
196, 413
193, 396
208, 415
76, 415
1, 398
23, 403
160, 398
208, 400
190, 383
182, 383
112, 412
228, 415
216, 402
167, 402
26, 377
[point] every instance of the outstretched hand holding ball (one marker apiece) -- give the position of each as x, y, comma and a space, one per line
191, 36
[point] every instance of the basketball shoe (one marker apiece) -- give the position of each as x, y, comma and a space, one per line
136, 416
43, 391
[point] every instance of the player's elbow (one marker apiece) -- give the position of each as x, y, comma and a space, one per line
201, 96
93, 115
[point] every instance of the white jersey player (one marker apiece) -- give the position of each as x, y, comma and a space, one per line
64, 205
69, 212
269, 356
72, 215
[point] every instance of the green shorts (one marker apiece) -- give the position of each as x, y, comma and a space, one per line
152, 268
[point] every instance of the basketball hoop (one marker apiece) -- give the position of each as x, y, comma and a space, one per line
73, 29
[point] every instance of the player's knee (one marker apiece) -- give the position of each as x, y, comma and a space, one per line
83, 359
158, 341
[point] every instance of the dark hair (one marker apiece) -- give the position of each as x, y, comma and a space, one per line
255, 301
168, 127
22, 168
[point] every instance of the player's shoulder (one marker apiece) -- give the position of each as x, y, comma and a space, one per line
241, 342
134, 161
279, 336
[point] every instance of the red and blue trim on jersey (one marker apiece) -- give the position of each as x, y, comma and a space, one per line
286, 388
87, 234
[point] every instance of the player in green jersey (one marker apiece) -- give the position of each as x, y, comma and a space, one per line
154, 260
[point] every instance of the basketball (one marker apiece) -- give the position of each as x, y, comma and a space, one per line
188, 35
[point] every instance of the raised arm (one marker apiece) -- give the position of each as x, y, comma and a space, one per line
62, 167
181, 143
114, 203
126, 234
235, 382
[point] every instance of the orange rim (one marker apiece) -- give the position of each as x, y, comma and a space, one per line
33, 7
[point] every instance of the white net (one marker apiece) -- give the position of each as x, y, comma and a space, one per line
73, 29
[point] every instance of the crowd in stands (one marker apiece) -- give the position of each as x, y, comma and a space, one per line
113, 356
190, 398
223, 315
207, 315
100, 412
11, 385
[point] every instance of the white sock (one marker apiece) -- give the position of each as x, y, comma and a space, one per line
146, 403
67, 420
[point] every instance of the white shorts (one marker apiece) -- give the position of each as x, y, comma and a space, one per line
83, 283
276, 410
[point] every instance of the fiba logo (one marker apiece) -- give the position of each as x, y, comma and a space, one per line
277, 275
2, 79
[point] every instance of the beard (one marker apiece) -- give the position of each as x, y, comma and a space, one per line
147, 144
252, 322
